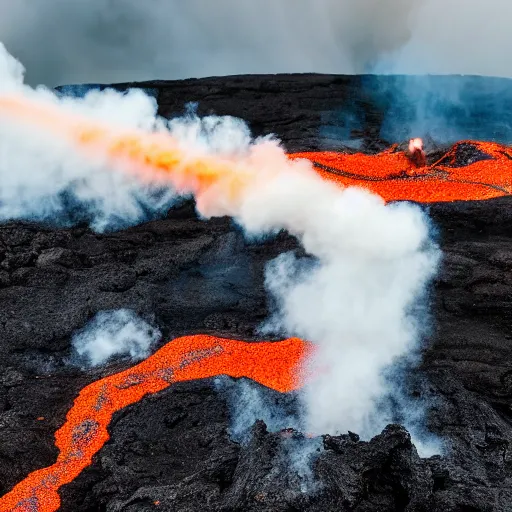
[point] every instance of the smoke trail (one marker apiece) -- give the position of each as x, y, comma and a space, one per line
43, 178
114, 333
373, 264
443, 109
369, 262
124, 40
447, 109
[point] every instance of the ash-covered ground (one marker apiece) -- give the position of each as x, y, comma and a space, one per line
174, 451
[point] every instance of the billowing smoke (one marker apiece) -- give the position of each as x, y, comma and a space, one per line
124, 40
44, 179
114, 333
444, 33
356, 296
356, 299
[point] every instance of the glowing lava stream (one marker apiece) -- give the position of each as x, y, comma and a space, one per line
277, 365
392, 175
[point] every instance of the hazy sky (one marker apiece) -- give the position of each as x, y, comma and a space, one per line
70, 41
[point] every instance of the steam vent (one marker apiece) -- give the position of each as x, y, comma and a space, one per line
196, 316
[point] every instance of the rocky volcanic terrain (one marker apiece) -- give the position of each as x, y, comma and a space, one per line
172, 451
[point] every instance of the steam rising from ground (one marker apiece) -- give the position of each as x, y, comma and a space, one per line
114, 333
355, 296
250, 402
356, 299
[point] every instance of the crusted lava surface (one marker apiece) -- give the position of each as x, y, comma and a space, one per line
172, 450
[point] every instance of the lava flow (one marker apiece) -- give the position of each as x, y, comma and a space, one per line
277, 365
470, 171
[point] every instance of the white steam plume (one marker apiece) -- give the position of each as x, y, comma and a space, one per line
125, 40
41, 176
357, 300
371, 261
114, 333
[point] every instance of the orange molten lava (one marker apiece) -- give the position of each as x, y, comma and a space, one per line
392, 175
275, 365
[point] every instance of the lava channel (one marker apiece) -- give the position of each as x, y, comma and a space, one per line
470, 171
277, 365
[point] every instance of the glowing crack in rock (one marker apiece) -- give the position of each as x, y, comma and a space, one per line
277, 365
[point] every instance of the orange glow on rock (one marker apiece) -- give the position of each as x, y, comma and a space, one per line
393, 176
277, 365
416, 153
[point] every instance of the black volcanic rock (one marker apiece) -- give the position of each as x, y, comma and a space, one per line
173, 451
